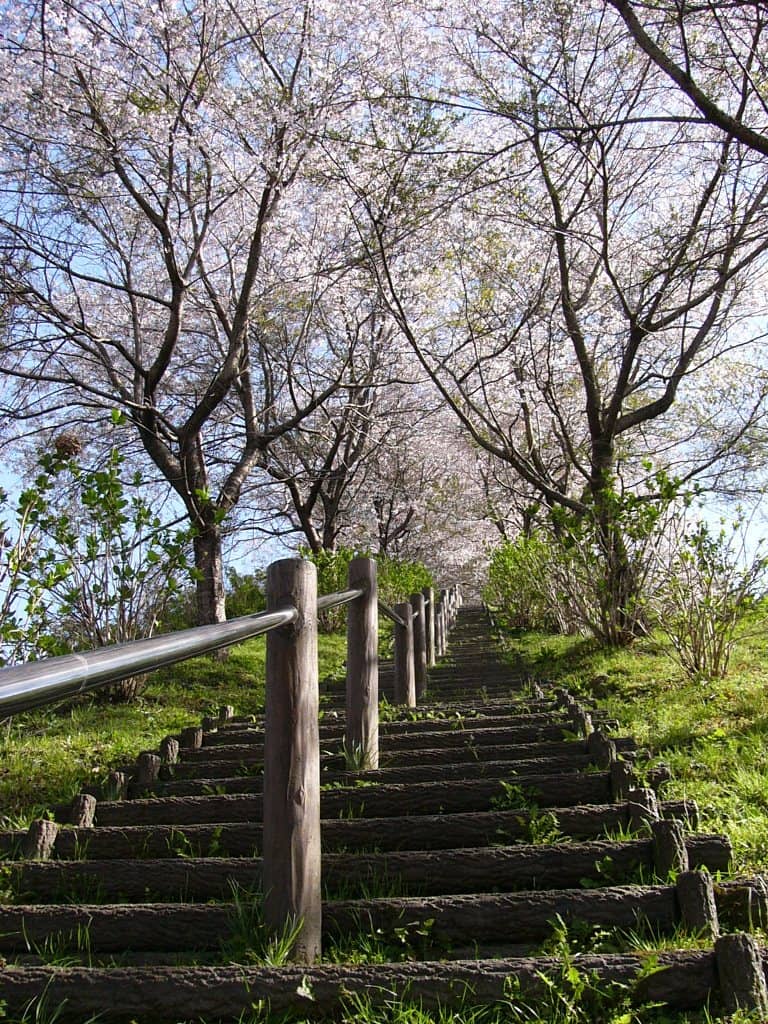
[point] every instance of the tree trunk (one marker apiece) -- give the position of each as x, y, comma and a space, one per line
210, 584
619, 597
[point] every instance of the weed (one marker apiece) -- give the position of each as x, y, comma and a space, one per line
250, 940
471, 747
357, 758
213, 789
63, 949
512, 797
179, 845
353, 810
363, 945
620, 833
41, 1011
607, 873
572, 995
543, 828
377, 884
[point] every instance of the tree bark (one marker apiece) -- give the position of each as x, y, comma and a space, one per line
210, 584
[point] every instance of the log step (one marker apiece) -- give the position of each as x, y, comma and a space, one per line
489, 918
485, 869
372, 802
391, 730
247, 759
683, 979
441, 831
411, 773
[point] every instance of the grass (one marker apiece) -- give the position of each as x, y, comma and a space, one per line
47, 756
713, 734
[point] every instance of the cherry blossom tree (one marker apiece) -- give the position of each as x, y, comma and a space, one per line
599, 261
322, 467
716, 55
165, 231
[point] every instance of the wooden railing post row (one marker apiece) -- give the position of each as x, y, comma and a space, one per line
405, 677
429, 624
291, 802
362, 731
443, 606
419, 646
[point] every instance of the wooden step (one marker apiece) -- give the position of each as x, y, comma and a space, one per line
248, 760
426, 733
485, 869
406, 774
444, 920
374, 801
682, 979
243, 839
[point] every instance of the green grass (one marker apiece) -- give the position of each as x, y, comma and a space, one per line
713, 734
48, 755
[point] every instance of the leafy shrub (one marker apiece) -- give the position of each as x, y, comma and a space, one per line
593, 571
711, 586
397, 579
520, 584
86, 562
245, 593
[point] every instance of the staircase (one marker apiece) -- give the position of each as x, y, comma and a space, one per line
504, 838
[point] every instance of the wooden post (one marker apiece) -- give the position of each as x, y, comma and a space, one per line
429, 622
419, 646
40, 839
670, 853
643, 808
440, 626
695, 894
362, 732
741, 973
445, 609
405, 679
191, 738
291, 802
83, 811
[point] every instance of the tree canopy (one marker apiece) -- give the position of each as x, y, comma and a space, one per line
348, 271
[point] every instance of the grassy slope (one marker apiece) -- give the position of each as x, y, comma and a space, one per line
46, 756
714, 735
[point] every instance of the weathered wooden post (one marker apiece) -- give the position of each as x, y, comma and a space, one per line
439, 627
405, 678
444, 623
291, 853
362, 732
429, 623
419, 646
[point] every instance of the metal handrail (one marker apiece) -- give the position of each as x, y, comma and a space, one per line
35, 683
391, 614
341, 597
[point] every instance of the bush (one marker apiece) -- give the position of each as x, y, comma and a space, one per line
397, 579
86, 562
245, 593
521, 585
711, 586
